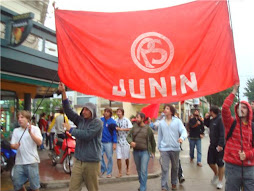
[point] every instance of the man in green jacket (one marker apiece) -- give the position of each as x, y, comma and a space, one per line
142, 140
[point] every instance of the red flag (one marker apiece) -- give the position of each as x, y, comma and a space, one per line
151, 110
155, 56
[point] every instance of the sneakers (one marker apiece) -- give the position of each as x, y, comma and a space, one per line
215, 180
219, 185
181, 179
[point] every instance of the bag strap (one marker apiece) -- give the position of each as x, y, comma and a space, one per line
232, 128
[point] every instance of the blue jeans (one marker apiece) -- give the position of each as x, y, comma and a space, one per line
197, 143
29, 172
43, 138
233, 175
141, 159
108, 149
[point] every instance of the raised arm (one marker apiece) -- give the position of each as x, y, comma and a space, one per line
225, 112
74, 117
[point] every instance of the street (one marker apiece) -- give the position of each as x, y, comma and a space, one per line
197, 178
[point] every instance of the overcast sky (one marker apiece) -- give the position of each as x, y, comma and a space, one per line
242, 14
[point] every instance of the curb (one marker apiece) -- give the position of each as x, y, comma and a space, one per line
65, 183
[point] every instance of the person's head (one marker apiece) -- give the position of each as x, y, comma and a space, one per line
107, 112
214, 111
24, 117
43, 115
140, 118
169, 110
120, 112
88, 111
196, 112
244, 110
252, 104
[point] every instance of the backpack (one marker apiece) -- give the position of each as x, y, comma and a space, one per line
232, 128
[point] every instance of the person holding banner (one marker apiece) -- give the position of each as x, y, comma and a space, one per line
88, 144
239, 150
25, 140
171, 133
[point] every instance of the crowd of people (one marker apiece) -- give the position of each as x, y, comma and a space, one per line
231, 144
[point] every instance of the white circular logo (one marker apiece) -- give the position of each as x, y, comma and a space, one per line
152, 52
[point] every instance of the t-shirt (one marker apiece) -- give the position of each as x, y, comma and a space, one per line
27, 152
121, 135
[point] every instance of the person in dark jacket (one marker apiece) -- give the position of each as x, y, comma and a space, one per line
196, 132
217, 143
88, 144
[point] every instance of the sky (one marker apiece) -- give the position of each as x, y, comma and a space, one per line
241, 12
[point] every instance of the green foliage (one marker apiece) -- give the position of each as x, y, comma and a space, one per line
218, 98
249, 90
21, 104
47, 106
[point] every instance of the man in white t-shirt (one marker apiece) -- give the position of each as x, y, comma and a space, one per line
123, 148
25, 140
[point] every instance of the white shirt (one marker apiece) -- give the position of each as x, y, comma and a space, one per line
27, 152
121, 135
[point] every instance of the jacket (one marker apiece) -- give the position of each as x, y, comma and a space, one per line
150, 138
168, 135
234, 142
194, 129
217, 135
106, 135
88, 133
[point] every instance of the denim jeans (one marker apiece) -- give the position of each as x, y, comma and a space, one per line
25, 172
233, 175
197, 143
141, 159
108, 149
166, 157
43, 138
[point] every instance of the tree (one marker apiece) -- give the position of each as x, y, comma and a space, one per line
249, 90
47, 106
218, 98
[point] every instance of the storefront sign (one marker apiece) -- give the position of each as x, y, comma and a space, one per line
21, 26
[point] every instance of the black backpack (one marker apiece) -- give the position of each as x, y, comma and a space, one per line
232, 128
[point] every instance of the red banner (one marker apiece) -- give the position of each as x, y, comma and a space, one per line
155, 56
151, 111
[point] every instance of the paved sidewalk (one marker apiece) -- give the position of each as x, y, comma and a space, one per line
54, 176
197, 178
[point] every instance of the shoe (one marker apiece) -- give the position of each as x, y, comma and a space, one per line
199, 164
219, 185
191, 159
128, 172
181, 179
109, 176
163, 190
173, 187
215, 180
